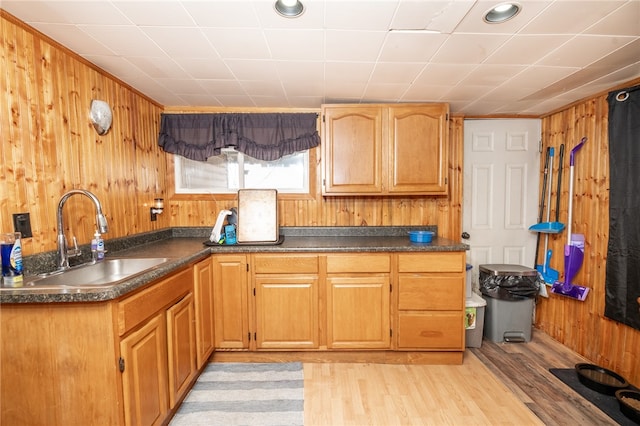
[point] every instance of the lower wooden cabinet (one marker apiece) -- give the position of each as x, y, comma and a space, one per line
230, 295
358, 312
181, 348
204, 306
144, 369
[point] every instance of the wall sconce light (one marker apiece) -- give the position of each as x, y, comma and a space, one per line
158, 208
101, 116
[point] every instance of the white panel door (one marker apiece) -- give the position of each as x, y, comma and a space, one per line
500, 198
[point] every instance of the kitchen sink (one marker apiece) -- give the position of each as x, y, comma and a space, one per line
106, 272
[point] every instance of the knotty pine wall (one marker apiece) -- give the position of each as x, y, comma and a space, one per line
582, 326
49, 147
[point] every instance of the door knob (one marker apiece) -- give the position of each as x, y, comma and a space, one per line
465, 236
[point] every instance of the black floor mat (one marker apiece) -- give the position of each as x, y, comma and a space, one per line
607, 403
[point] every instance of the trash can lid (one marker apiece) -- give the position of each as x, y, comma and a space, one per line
505, 269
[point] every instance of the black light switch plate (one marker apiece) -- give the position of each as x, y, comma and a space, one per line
22, 224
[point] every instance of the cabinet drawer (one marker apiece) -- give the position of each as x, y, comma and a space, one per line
431, 262
137, 308
372, 263
431, 330
430, 292
289, 264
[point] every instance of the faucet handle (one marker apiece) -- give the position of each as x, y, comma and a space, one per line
75, 252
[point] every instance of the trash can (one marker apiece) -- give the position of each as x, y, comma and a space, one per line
510, 292
474, 320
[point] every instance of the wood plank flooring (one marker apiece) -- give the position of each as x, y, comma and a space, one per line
506, 384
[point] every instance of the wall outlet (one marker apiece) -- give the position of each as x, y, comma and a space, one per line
22, 224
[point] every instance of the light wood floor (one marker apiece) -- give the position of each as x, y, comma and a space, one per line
506, 384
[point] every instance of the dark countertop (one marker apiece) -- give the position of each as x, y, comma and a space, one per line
184, 246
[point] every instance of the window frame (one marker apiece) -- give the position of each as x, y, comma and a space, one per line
313, 177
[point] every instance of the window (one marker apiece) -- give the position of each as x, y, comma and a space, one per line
233, 170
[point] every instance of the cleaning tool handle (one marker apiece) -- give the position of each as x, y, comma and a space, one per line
575, 149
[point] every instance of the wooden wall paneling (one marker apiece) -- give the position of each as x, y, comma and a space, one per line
582, 326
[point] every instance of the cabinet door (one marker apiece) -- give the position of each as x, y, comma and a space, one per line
417, 149
144, 379
352, 141
286, 312
358, 312
181, 344
203, 295
230, 289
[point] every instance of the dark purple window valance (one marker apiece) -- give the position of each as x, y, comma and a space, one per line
265, 137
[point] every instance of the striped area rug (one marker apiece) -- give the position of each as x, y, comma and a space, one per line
245, 394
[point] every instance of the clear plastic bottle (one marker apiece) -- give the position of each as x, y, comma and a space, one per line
97, 246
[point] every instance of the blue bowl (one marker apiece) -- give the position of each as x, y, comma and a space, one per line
420, 236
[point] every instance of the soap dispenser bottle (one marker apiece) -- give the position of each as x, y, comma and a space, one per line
97, 246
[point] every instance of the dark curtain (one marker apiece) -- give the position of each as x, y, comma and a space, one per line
623, 255
265, 137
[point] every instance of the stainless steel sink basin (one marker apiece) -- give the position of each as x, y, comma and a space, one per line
104, 273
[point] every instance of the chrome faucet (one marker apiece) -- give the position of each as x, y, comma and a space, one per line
63, 250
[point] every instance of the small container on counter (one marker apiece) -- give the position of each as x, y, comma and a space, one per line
11, 253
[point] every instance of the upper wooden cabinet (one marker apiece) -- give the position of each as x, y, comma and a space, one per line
385, 149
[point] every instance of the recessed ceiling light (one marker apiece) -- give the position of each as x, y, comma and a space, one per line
289, 8
502, 12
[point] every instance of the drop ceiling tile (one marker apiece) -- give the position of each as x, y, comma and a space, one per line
583, 50
306, 101
183, 86
526, 49
425, 93
198, 99
349, 15
348, 71
35, 11
263, 88
410, 47
87, 12
270, 102
385, 92
395, 73
218, 87
235, 100
468, 48
181, 42
300, 71
570, 17
73, 38
296, 46
209, 68
124, 40
622, 21
252, 69
158, 13
222, 14
444, 74
353, 46
115, 65
163, 67
442, 16
539, 76
491, 75
468, 93
345, 90
238, 43
313, 88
